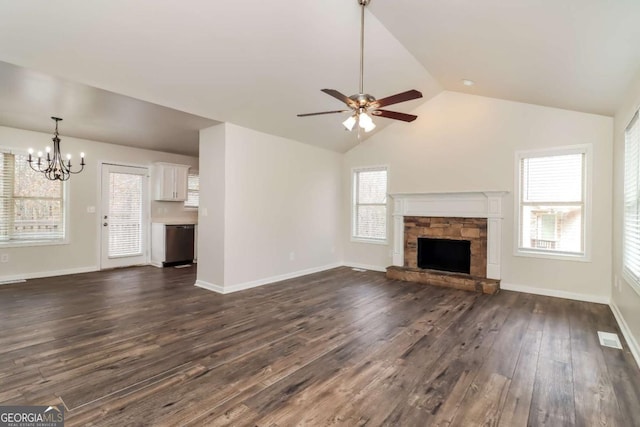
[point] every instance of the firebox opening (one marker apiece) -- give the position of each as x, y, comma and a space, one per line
444, 254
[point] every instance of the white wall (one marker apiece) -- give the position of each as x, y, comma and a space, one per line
211, 214
82, 252
282, 200
467, 143
625, 298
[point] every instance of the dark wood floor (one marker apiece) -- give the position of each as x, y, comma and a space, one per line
143, 346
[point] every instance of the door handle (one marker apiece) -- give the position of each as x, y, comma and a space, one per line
105, 224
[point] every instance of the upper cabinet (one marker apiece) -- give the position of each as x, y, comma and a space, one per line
170, 182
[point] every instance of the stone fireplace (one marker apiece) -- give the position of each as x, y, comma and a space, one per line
448, 239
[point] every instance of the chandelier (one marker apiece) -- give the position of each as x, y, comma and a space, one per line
54, 167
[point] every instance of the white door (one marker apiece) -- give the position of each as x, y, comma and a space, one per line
124, 217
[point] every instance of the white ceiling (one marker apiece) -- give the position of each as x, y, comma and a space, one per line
28, 99
574, 54
258, 64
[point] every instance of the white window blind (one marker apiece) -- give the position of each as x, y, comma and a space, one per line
31, 206
631, 228
552, 192
193, 191
370, 204
125, 214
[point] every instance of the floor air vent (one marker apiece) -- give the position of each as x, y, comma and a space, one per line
608, 339
358, 269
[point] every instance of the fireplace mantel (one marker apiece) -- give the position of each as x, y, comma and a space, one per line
481, 204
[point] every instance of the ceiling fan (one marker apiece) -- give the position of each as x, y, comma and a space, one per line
363, 105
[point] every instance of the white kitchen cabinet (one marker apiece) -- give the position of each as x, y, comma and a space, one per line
170, 182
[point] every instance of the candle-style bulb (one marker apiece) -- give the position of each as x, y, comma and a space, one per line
30, 150
68, 156
82, 155
39, 153
47, 149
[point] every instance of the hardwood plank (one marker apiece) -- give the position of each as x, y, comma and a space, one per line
471, 361
553, 398
515, 411
143, 346
486, 395
553, 393
409, 372
486, 405
595, 399
620, 366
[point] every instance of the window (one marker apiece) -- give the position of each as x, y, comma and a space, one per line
631, 227
552, 199
370, 204
193, 190
32, 208
126, 204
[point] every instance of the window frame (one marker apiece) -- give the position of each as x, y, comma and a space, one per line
355, 204
585, 256
627, 274
192, 207
65, 240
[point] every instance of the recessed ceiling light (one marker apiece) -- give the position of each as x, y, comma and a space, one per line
467, 82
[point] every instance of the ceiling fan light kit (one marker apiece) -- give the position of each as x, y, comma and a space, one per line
366, 122
349, 123
362, 105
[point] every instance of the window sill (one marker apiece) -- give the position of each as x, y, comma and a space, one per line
372, 241
34, 243
550, 255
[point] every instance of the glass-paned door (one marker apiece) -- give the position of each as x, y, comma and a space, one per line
124, 220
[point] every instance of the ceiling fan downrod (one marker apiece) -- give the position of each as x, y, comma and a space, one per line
363, 4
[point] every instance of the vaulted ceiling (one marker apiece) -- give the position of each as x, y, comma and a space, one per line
258, 64
574, 54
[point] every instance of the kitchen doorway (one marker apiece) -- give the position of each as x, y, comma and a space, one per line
124, 219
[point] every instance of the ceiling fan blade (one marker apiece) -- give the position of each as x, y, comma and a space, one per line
397, 98
323, 112
340, 96
394, 115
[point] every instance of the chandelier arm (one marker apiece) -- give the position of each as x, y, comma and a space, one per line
81, 169
38, 169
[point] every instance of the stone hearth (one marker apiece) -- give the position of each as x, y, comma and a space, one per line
444, 279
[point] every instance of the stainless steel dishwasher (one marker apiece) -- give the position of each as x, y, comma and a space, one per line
179, 243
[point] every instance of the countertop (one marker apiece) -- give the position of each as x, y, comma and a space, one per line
174, 221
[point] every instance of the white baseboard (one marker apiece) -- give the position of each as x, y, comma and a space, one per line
624, 328
254, 284
40, 274
555, 293
11, 282
209, 286
364, 266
